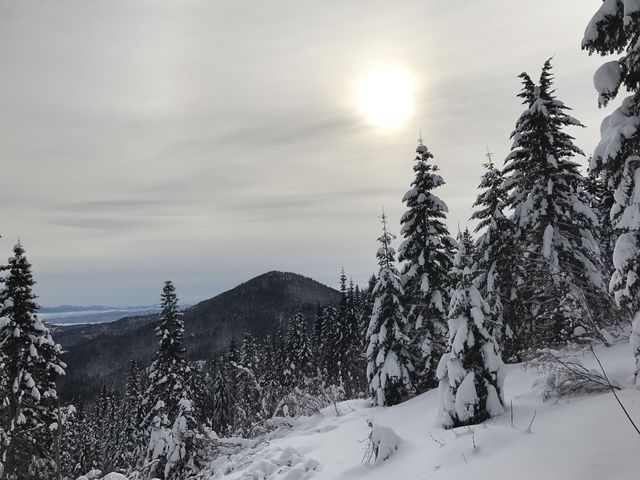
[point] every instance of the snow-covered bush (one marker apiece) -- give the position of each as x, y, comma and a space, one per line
565, 375
383, 442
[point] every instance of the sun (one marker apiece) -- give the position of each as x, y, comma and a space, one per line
386, 98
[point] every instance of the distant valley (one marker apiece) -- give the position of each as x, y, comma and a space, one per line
87, 314
98, 353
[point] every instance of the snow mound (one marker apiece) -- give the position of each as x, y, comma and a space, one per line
384, 442
265, 463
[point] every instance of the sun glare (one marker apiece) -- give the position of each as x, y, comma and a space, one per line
386, 98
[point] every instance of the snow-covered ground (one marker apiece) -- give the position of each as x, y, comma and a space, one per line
577, 438
581, 438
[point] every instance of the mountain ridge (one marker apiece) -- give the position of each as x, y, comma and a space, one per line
98, 354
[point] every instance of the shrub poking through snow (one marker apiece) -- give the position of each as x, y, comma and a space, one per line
567, 376
383, 442
471, 372
387, 356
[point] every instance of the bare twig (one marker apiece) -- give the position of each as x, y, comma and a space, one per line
439, 442
535, 412
511, 413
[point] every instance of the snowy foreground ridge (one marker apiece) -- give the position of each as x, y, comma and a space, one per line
577, 438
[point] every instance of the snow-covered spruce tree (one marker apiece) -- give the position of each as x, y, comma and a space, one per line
29, 366
553, 222
131, 439
614, 30
427, 252
186, 446
329, 345
249, 398
316, 341
346, 341
471, 372
356, 361
388, 362
298, 362
274, 358
498, 268
222, 398
600, 199
169, 382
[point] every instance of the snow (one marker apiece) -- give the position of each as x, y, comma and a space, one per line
547, 241
578, 438
607, 80
615, 129
608, 9
466, 397
631, 7
584, 438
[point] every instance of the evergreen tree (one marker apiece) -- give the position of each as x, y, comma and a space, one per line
249, 401
169, 381
73, 445
499, 271
614, 30
274, 361
318, 337
388, 362
553, 222
329, 345
185, 450
471, 372
298, 361
223, 401
427, 251
29, 367
131, 442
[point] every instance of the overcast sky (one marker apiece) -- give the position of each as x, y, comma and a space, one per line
208, 141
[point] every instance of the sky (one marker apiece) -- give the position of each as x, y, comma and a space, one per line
208, 142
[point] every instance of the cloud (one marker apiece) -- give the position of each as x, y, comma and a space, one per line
155, 135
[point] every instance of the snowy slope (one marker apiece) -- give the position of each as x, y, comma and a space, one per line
585, 438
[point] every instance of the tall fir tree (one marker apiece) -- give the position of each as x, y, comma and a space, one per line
329, 345
614, 30
388, 362
471, 372
554, 224
30, 364
169, 376
427, 252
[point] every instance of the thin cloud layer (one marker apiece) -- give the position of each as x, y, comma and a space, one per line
210, 141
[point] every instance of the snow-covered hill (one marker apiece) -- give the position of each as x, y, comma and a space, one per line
584, 438
579, 438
